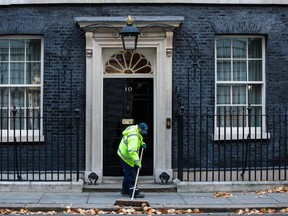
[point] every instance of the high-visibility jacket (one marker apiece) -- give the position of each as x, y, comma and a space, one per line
130, 145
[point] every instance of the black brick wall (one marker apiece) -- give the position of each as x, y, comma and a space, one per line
64, 79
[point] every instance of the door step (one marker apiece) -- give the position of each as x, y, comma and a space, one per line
118, 179
113, 184
144, 187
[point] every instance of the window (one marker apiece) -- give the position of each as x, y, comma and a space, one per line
128, 63
240, 83
21, 61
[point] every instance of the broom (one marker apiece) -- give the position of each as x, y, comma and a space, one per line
133, 202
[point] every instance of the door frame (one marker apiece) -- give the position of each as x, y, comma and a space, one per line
162, 41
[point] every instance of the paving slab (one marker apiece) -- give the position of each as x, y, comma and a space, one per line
280, 197
64, 198
164, 198
201, 200
249, 198
104, 198
20, 197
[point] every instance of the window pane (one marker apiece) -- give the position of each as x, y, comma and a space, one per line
238, 116
33, 50
33, 73
33, 97
17, 50
33, 118
239, 48
223, 48
255, 47
17, 97
222, 115
17, 123
4, 120
232, 117
255, 70
239, 94
223, 70
4, 50
223, 94
255, 94
239, 71
4, 73
239, 119
256, 117
17, 73
4, 95
128, 63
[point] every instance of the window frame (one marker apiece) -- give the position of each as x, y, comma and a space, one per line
240, 132
25, 135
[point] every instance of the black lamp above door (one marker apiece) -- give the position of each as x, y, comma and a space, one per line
129, 35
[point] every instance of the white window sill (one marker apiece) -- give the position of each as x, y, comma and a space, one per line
228, 134
22, 139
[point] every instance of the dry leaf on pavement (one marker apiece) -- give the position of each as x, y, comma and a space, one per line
273, 190
221, 194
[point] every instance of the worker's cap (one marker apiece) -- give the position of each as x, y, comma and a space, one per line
144, 127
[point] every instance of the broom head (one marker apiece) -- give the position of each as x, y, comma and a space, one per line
132, 203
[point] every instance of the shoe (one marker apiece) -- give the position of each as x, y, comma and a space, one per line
137, 195
124, 192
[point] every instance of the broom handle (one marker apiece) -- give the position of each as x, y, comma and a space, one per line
138, 170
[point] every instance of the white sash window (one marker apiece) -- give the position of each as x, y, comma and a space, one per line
21, 60
240, 83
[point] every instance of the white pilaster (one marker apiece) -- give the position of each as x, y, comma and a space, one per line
89, 48
163, 159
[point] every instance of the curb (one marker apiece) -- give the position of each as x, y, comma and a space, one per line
202, 209
243, 186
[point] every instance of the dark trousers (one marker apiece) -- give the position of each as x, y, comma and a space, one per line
128, 179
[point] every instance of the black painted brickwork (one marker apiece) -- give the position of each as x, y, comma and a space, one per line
65, 78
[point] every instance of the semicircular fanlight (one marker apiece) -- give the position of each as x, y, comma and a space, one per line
128, 63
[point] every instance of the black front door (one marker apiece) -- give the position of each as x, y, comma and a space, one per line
126, 100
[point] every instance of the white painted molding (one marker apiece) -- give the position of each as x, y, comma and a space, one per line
265, 2
158, 42
139, 21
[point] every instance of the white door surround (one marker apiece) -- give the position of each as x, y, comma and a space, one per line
157, 37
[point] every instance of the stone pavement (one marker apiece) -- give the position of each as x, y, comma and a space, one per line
207, 202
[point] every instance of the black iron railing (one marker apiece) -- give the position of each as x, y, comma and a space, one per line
217, 152
34, 148
52, 148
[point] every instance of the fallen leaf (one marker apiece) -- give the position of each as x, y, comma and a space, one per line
221, 194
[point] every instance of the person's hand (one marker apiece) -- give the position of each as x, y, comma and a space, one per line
144, 145
139, 165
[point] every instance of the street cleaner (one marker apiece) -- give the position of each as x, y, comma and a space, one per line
128, 151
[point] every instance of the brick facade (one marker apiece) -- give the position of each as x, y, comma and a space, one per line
64, 78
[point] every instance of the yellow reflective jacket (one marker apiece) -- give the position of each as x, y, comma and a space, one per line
130, 145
